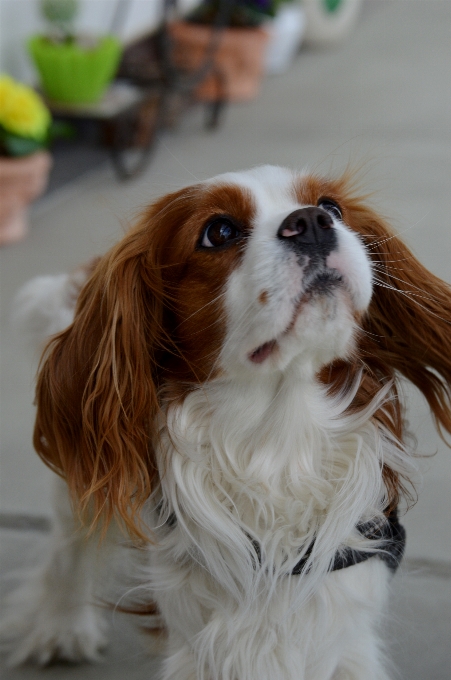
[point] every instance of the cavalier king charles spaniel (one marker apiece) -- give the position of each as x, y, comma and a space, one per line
228, 392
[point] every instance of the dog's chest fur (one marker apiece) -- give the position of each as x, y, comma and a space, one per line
242, 479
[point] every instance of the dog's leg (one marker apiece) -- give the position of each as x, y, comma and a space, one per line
53, 614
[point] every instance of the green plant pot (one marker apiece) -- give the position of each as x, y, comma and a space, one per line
73, 74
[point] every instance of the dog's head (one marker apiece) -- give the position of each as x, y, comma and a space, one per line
243, 277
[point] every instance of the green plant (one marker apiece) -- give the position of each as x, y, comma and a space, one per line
60, 16
72, 72
73, 68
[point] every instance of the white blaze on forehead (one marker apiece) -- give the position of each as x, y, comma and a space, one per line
270, 185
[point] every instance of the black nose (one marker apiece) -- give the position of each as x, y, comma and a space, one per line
309, 231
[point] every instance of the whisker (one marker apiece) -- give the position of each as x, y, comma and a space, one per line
396, 278
401, 292
374, 335
204, 328
401, 259
218, 297
160, 141
407, 293
389, 238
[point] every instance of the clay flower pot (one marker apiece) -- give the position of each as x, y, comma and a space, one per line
21, 181
238, 61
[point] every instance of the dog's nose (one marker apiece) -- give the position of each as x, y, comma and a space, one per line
309, 231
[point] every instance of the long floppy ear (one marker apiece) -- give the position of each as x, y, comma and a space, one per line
409, 321
97, 388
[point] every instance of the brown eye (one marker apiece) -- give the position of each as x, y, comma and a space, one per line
219, 232
331, 207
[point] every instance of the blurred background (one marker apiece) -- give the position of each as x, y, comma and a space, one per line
107, 104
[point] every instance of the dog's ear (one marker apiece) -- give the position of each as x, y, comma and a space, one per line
408, 326
97, 387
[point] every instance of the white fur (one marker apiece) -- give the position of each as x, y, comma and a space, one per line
45, 305
279, 468
261, 455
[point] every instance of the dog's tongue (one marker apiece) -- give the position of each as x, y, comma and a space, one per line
259, 355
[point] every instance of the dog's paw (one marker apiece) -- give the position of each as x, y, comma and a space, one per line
43, 637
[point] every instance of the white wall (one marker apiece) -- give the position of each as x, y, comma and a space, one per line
20, 18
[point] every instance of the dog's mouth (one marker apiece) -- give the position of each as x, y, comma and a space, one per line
323, 283
259, 355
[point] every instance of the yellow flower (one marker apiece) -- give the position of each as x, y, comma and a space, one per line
22, 111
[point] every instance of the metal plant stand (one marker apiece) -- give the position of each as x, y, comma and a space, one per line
138, 104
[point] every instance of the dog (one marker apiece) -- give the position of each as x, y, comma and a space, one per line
228, 394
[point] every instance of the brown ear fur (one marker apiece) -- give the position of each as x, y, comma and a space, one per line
406, 331
97, 389
409, 322
408, 326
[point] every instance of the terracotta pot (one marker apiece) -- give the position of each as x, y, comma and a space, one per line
238, 61
21, 181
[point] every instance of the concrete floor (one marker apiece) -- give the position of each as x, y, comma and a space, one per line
382, 98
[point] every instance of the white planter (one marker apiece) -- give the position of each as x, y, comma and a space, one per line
330, 22
286, 32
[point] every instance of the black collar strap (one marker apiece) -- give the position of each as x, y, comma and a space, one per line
391, 535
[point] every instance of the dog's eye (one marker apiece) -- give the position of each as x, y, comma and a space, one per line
331, 207
219, 232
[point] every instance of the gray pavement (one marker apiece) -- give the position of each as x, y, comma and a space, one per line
382, 98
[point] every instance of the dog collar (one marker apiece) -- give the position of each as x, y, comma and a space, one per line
389, 533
